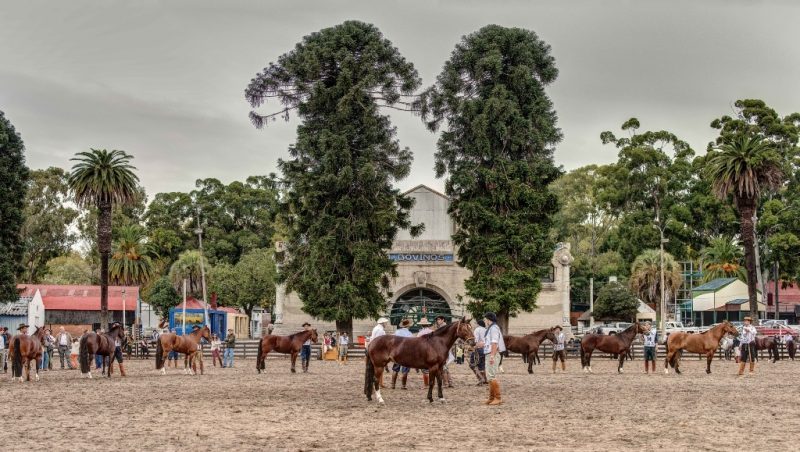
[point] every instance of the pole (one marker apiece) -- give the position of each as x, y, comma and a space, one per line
663, 297
777, 276
715, 307
123, 309
183, 321
199, 232
591, 301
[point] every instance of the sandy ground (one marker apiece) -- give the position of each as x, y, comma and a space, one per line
236, 409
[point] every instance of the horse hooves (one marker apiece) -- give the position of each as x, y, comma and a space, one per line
677, 371
294, 371
530, 371
708, 371
442, 400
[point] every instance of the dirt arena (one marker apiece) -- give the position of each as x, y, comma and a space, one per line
235, 409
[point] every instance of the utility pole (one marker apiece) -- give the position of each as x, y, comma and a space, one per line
199, 232
662, 308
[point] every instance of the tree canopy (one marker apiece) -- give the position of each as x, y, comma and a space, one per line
616, 302
14, 176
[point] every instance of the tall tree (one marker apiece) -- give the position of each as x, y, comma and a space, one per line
161, 296
341, 209
745, 168
130, 264
722, 258
497, 148
248, 284
645, 280
14, 176
188, 268
103, 179
47, 232
616, 302
71, 269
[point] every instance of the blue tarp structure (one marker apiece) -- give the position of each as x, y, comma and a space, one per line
194, 316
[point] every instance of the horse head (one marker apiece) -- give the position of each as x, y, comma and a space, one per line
551, 335
464, 329
728, 328
205, 333
640, 329
314, 336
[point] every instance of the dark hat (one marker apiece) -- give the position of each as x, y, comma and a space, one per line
490, 316
195, 327
559, 327
22, 325
748, 318
405, 323
440, 317
306, 324
481, 323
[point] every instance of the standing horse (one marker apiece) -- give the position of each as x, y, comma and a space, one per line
22, 350
100, 344
769, 343
528, 345
187, 344
290, 344
726, 344
705, 343
427, 352
618, 344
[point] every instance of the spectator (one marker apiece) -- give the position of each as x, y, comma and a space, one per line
98, 359
64, 341
230, 344
144, 348
173, 355
3, 342
493, 345
49, 347
459, 353
326, 343
344, 342
215, 346
74, 350
305, 352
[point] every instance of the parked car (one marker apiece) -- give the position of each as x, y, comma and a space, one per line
610, 328
674, 327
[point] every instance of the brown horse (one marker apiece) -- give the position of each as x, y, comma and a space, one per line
24, 349
770, 344
618, 344
100, 344
528, 345
290, 344
187, 344
705, 343
426, 352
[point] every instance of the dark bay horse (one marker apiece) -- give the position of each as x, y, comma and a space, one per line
22, 350
187, 344
528, 345
290, 344
100, 344
426, 352
769, 343
705, 343
618, 344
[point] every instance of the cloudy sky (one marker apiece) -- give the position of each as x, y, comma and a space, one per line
163, 80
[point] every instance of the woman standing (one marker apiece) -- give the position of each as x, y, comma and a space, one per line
215, 347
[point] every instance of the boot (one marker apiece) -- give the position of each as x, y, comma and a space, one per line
425, 380
554, 366
741, 368
404, 380
305, 365
122, 369
394, 380
564, 367
483, 375
492, 393
497, 400
447, 379
478, 375
752, 367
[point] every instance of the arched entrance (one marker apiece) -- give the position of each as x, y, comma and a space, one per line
416, 304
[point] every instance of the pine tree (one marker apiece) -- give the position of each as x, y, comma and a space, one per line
497, 148
340, 205
14, 175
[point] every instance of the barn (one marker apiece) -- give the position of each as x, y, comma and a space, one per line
28, 309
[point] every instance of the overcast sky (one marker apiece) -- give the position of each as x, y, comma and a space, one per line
163, 80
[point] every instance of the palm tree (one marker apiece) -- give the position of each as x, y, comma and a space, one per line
722, 258
130, 263
188, 267
102, 179
746, 167
645, 279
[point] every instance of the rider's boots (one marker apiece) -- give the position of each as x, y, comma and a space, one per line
564, 367
554, 366
496, 385
394, 380
741, 367
122, 369
752, 366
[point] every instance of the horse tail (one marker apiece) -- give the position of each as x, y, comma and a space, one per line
583, 355
83, 354
16, 365
259, 357
159, 354
674, 359
369, 377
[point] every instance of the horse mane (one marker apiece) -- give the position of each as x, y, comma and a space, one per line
291, 336
442, 331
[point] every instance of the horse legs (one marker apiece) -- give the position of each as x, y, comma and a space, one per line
621, 362
432, 374
709, 357
377, 381
294, 360
531, 357
589, 361
439, 384
678, 355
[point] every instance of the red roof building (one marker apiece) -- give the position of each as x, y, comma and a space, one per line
81, 298
788, 299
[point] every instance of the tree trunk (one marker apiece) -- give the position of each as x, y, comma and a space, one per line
746, 210
502, 320
104, 246
346, 326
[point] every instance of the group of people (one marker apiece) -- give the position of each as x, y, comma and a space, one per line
339, 342
222, 352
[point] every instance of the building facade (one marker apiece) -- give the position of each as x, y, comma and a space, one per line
430, 281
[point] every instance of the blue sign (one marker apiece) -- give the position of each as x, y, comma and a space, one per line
421, 257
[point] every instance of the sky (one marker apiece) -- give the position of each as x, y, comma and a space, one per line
164, 80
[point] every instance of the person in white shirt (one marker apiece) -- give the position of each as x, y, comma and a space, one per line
477, 361
493, 345
558, 349
747, 342
650, 341
397, 369
305, 351
379, 329
343, 343
788, 340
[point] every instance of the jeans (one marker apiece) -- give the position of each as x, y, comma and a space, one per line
305, 352
227, 357
45, 359
63, 355
98, 361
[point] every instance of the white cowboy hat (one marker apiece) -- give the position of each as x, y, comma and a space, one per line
383, 320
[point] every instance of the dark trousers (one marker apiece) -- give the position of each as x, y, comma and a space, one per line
63, 355
748, 352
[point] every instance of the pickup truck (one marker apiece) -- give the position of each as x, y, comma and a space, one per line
610, 328
674, 327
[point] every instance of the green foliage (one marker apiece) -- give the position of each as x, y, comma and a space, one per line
645, 280
187, 267
723, 258
340, 209
68, 270
162, 296
615, 302
48, 219
14, 176
130, 265
248, 284
497, 149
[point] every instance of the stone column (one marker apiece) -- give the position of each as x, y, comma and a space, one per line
562, 260
280, 289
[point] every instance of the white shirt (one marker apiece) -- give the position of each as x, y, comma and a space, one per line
403, 332
424, 332
63, 339
748, 334
2, 342
343, 340
479, 333
559, 345
787, 338
377, 332
650, 338
493, 336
